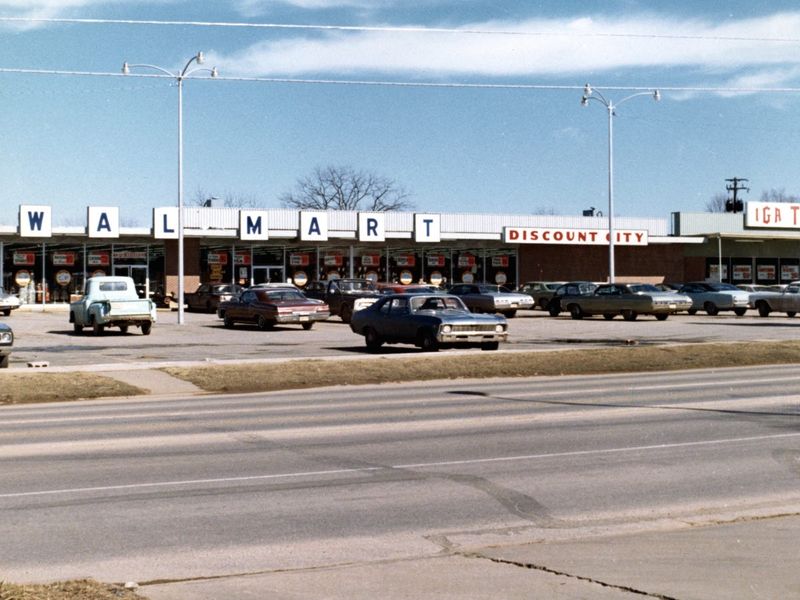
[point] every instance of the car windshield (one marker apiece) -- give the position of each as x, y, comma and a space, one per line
281, 296
638, 288
723, 287
437, 303
356, 286
223, 289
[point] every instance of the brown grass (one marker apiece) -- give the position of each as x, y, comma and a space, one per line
25, 388
482, 365
83, 589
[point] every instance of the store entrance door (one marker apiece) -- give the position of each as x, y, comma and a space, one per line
271, 274
140, 277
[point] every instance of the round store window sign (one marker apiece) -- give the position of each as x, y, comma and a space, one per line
467, 277
372, 276
22, 278
406, 277
63, 278
436, 278
98, 273
500, 278
300, 278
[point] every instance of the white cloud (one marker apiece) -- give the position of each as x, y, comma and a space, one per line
550, 47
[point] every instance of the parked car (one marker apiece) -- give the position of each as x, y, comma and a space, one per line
755, 287
111, 301
713, 297
6, 344
627, 299
540, 291
667, 286
8, 302
413, 288
487, 298
341, 295
787, 301
208, 296
573, 288
267, 307
429, 321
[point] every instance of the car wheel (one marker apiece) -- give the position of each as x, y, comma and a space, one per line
264, 323
372, 339
77, 328
123, 328
509, 314
629, 315
7, 311
543, 304
97, 328
608, 316
692, 311
790, 313
427, 341
490, 345
662, 317
346, 313
4, 361
575, 311
307, 326
739, 312
553, 309
228, 322
711, 309
763, 309
147, 326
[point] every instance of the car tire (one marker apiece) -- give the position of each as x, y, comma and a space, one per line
264, 324
739, 312
228, 322
123, 329
553, 309
147, 326
97, 328
4, 361
427, 341
692, 311
711, 309
7, 312
790, 313
608, 316
346, 313
509, 314
486, 346
307, 326
77, 328
662, 317
372, 339
575, 311
763, 309
629, 315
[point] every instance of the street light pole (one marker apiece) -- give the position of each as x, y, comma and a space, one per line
590, 93
179, 77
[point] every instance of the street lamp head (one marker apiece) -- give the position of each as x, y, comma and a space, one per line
587, 90
214, 72
585, 101
200, 58
657, 96
126, 70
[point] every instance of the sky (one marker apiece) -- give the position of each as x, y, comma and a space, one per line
468, 105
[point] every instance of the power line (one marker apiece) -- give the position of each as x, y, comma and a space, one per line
418, 84
400, 29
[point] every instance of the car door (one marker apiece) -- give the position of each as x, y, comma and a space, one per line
242, 310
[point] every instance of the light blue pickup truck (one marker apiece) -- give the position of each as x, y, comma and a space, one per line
111, 302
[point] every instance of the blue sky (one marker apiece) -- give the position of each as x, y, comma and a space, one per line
724, 68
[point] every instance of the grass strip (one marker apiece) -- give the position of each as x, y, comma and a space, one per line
82, 589
482, 365
28, 388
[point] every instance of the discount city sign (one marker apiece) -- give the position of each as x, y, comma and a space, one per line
580, 237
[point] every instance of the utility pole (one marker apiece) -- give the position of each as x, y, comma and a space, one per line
735, 205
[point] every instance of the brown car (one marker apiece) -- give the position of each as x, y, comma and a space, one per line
267, 307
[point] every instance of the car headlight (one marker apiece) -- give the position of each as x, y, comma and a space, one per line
447, 328
6, 337
499, 328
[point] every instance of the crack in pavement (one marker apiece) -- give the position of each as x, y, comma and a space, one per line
544, 569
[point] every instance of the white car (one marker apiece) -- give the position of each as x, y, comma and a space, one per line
8, 302
713, 297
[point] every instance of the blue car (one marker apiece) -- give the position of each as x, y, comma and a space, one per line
429, 321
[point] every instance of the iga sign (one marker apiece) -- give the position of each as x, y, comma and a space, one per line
774, 215
580, 237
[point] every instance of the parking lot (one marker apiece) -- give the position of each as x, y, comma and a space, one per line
47, 337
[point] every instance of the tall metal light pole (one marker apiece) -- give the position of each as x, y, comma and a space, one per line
178, 76
589, 94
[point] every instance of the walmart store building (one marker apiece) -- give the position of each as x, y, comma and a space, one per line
45, 264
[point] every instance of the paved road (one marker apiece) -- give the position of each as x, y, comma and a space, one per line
48, 337
602, 487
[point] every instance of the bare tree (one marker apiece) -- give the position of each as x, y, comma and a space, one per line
717, 203
343, 188
780, 195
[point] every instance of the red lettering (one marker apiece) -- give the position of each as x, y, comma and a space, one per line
777, 214
558, 236
794, 208
513, 234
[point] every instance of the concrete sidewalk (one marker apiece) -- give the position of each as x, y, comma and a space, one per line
752, 559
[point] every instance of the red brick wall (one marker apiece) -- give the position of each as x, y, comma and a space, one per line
191, 265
